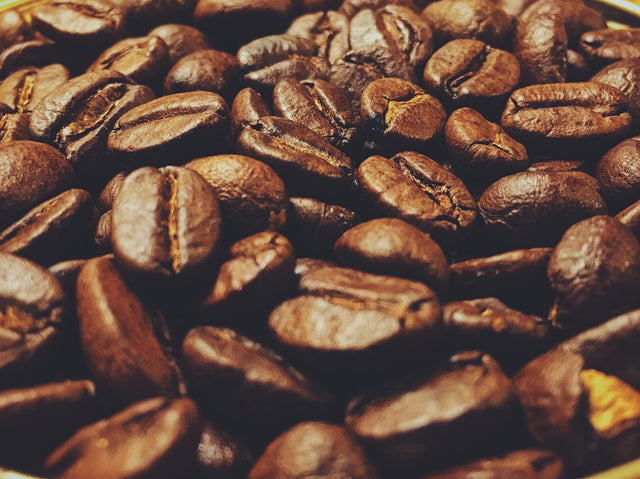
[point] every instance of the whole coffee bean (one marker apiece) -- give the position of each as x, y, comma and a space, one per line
624, 75
351, 7
34, 172
296, 67
593, 271
320, 106
165, 224
618, 172
153, 438
67, 273
125, 343
246, 384
266, 51
409, 426
480, 150
181, 40
110, 191
143, 59
395, 248
328, 327
54, 230
247, 108
24, 89
252, 196
467, 72
605, 46
102, 235
329, 30
29, 53
535, 208
398, 115
14, 28
314, 449
630, 217
171, 129
14, 126
221, 455
143, 14
418, 190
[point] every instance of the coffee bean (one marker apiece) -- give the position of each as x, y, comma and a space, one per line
247, 108
623, 75
39, 52
14, 28
24, 89
607, 46
630, 217
221, 455
181, 40
329, 30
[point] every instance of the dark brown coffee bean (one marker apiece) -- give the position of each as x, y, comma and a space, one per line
143, 14
466, 72
15, 126
181, 40
398, 115
329, 326
480, 150
630, 217
171, 129
153, 438
594, 271
266, 51
14, 28
335, 454
624, 75
411, 425
478, 19
247, 108
619, 174
418, 190
296, 67
32, 52
329, 30
34, 172
605, 46
110, 192
67, 273
209, 70
535, 208
302, 158
165, 224
221, 455
351, 7
24, 89
102, 235
247, 384
252, 196
320, 106
395, 248
36, 420
54, 230
143, 59
557, 165
125, 343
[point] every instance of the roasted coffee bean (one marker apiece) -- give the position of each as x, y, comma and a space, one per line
618, 173
109, 193
351, 7
14, 28
329, 328
398, 115
165, 224
395, 248
181, 40
24, 89
54, 230
535, 208
335, 453
209, 70
221, 455
409, 426
153, 438
605, 46
142, 14
478, 19
480, 150
303, 159
320, 106
125, 343
418, 190
246, 384
557, 165
247, 108
630, 217
252, 196
296, 67
329, 30
34, 172
624, 75
67, 273
266, 51
33, 52
307, 265
14, 126
466, 72
172, 129
593, 271
143, 59
102, 235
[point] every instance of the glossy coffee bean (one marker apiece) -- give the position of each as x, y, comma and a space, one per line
329, 30
24, 89
36, 52
618, 173
181, 40
604, 46
623, 75
14, 28
247, 108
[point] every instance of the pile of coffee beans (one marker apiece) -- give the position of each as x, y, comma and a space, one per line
288, 239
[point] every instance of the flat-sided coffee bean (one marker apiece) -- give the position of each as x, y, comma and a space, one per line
125, 343
24, 89
36, 420
411, 425
246, 384
181, 40
478, 19
330, 326
143, 59
209, 70
607, 46
247, 108
624, 75
593, 271
480, 150
418, 190
398, 115
33, 312
329, 30
335, 453
525, 464
56, 229
165, 223
171, 129
266, 51
34, 172
252, 196
630, 217
395, 248
313, 226
153, 438
467, 72
535, 208
253, 279
303, 159
618, 172
320, 106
